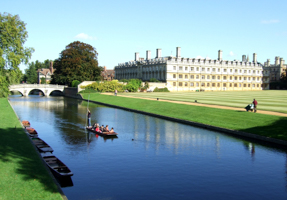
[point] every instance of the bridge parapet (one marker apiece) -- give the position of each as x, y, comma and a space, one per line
45, 88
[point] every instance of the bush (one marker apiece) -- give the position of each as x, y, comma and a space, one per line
75, 83
160, 90
107, 86
88, 91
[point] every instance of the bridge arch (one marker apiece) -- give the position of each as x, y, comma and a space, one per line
25, 89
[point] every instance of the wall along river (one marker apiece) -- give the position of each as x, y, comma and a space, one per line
152, 158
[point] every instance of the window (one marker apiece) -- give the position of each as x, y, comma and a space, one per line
249, 71
253, 78
239, 84
186, 76
253, 71
235, 84
230, 84
235, 77
245, 71
191, 76
202, 84
180, 84
192, 68
257, 85
207, 84
202, 77
253, 85
197, 84
197, 76
218, 84
244, 78
180, 68
185, 83
230, 70
214, 69
197, 69
230, 78
180, 76
248, 85
208, 69
240, 71
213, 77
186, 68
208, 77
218, 69
191, 84
258, 79
218, 77
248, 78
240, 78
244, 85
224, 70
235, 70
203, 69
224, 77
174, 83
224, 84
174, 67
213, 84
174, 75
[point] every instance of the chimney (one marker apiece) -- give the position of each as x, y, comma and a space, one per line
255, 58
137, 55
268, 62
158, 53
281, 62
148, 55
243, 58
105, 68
178, 51
276, 60
219, 55
51, 67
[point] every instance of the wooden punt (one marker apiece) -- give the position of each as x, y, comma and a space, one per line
104, 134
41, 145
31, 131
26, 123
58, 168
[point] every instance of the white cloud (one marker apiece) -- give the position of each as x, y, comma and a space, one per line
272, 21
231, 54
85, 36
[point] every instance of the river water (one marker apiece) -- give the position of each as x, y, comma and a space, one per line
152, 158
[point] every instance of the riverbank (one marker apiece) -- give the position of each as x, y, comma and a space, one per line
23, 174
247, 124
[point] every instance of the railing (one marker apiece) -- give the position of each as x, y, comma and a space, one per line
36, 86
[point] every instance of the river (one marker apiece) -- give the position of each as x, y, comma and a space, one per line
152, 158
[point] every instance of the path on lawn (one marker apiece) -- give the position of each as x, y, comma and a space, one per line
206, 105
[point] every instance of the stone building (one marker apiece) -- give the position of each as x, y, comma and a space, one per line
45, 73
108, 74
193, 74
273, 72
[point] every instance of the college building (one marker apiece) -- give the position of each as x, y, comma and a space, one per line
197, 74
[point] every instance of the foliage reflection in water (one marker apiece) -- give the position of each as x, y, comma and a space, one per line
152, 158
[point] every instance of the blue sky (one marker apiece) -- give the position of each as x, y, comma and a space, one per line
118, 29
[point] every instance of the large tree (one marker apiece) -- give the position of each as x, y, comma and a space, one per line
13, 35
77, 62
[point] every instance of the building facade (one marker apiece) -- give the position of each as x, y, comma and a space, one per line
107, 74
192, 74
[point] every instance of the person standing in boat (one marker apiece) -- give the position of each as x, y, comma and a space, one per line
89, 118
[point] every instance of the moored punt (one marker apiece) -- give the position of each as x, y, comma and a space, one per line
104, 134
41, 145
31, 130
26, 123
58, 168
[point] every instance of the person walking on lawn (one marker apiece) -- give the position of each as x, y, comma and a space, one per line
255, 105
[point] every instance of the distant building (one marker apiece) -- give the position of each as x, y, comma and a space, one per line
45, 73
194, 74
108, 74
273, 72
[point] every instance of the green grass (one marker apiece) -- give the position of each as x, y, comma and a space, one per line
23, 175
270, 100
265, 125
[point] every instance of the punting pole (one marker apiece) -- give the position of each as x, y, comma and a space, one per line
87, 111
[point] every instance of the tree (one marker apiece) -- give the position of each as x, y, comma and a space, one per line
77, 62
31, 75
13, 35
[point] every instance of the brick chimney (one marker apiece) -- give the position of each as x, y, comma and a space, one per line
105, 68
51, 67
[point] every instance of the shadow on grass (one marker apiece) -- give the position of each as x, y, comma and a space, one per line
276, 130
16, 148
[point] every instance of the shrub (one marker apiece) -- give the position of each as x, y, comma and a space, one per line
160, 90
75, 83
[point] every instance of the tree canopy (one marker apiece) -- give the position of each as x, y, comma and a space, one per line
13, 35
77, 62
31, 75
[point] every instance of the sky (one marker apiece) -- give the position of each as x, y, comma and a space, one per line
118, 29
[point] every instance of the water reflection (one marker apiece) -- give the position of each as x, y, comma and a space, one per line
152, 158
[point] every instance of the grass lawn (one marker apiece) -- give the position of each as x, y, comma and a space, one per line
271, 100
265, 125
23, 174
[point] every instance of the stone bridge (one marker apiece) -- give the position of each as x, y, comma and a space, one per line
25, 89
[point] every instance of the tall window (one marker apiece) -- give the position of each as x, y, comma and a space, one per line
202, 77
213, 69
192, 68
197, 76
186, 68
186, 76
180, 76
191, 84
174, 67
174, 83
180, 84
191, 76
174, 75
180, 68
185, 83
